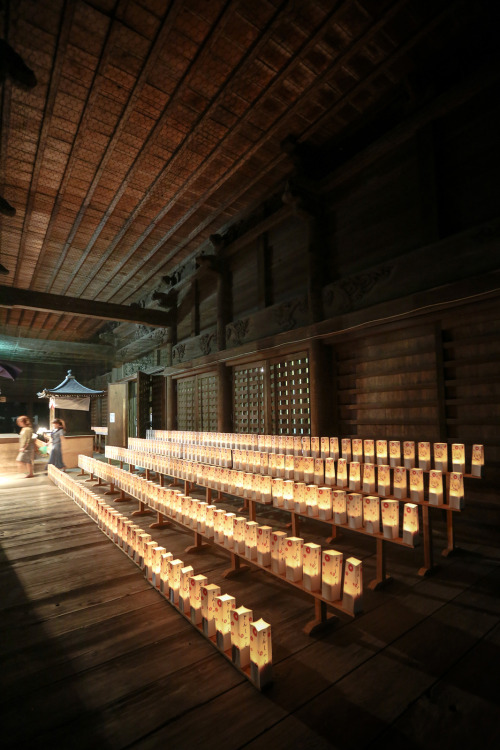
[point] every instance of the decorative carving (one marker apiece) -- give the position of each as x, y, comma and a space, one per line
284, 315
205, 343
236, 332
345, 295
178, 352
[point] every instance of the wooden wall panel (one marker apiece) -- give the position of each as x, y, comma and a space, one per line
244, 269
288, 254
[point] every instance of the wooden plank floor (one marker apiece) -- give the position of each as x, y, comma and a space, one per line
93, 657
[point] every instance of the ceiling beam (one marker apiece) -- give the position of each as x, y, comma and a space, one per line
45, 350
25, 299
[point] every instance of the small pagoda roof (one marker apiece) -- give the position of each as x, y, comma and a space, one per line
70, 387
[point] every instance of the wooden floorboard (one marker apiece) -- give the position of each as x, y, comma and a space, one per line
92, 656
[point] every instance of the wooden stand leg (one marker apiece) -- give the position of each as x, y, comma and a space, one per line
428, 566
187, 487
332, 536
198, 543
236, 567
244, 507
143, 510
382, 578
450, 549
295, 525
162, 480
91, 478
323, 620
111, 490
81, 474
99, 482
252, 514
208, 496
160, 523
123, 498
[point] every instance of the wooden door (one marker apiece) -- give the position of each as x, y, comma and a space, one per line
117, 414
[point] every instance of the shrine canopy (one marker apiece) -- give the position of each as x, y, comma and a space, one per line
70, 394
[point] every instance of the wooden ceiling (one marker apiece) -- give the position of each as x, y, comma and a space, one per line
156, 123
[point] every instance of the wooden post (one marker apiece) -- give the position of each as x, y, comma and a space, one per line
171, 403
323, 619
236, 567
320, 384
224, 398
427, 542
381, 577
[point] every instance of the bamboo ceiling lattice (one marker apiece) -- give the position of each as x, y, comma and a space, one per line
155, 123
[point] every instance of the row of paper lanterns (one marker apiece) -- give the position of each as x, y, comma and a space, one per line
406, 453
308, 487
291, 557
230, 627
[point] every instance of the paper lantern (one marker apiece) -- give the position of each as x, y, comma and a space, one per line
293, 560
371, 514
334, 448
311, 566
441, 457
277, 492
381, 452
228, 529
241, 620
410, 524
400, 482
225, 603
299, 497
325, 447
142, 541
369, 451
219, 525
156, 554
315, 449
196, 583
278, 552
288, 502
251, 540
289, 472
298, 468
368, 477
346, 449
265, 489
390, 518
312, 500
331, 574
325, 473
409, 454
341, 473
166, 557
319, 471
384, 480
308, 464
339, 506
201, 517
209, 596
354, 475
209, 521
264, 545
417, 485
239, 534
394, 453
184, 589
306, 445
477, 460
279, 465
354, 510
297, 445
352, 600
435, 487
458, 457
288, 444
456, 496
357, 450
261, 654
424, 456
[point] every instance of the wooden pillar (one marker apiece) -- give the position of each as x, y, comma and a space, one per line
320, 388
171, 403
223, 306
224, 398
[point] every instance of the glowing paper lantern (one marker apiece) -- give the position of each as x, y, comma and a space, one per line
209, 521
165, 559
251, 540
477, 460
209, 595
394, 453
184, 589
219, 525
174, 579
319, 471
341, 473
390, 518
278, 552
239, 523
369, 450
368, 477
384, 480
409, 454
353, 586
201, 517
441, 457
331, 574
339, 506
308, 464
225, 603
228, 529
381, 452
297, 445
357, 450
156, 565
311, 566
410, 524
456, 497
196, 583
325, 447
261, 655
306, 445
298, 468
458, 457
346, 449
241, 620
293, 560
424, 456
435, 487
277, 492
288, 494
334, 448
289, 467
400, 482
315, 449
279, 466
264, 545
354, 510
354, 475
371, 514
329, 478
299, 497
312, 500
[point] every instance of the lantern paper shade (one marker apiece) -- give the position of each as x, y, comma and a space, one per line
417, 485
369, 451
410, 524
331, 574
435, 487
324, 503
354, 475
251, 540
394, 453
409, 454
156, 566
371, 514
354, 510
239, 525
299, 497
165, 559
261, 655
334, 448
339, 506
456, 496
369, 478
278, 552
441, 457
353, 586
384, 480
357, 449
311, 563
390, 518
424, 456
312, 500
196, 584
264, 545
209, 595
477, 460
228, 529
325, 447
293, 560
341, 473
184, 602
399, 482
315, 449
330, 472
346, 449
219, 525
277, 491
225, 603
381, 452
458, 457
241, 620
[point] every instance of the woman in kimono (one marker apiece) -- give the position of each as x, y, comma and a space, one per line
26, 455
55, 457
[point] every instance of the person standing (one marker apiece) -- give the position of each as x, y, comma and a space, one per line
26, 455
55, 457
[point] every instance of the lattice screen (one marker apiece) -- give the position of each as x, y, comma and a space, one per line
248, 400
158, 402
289, 389
186, 406
207, 403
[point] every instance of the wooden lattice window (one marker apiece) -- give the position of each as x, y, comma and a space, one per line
290, 397
249, 400
186, 406
207, 403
